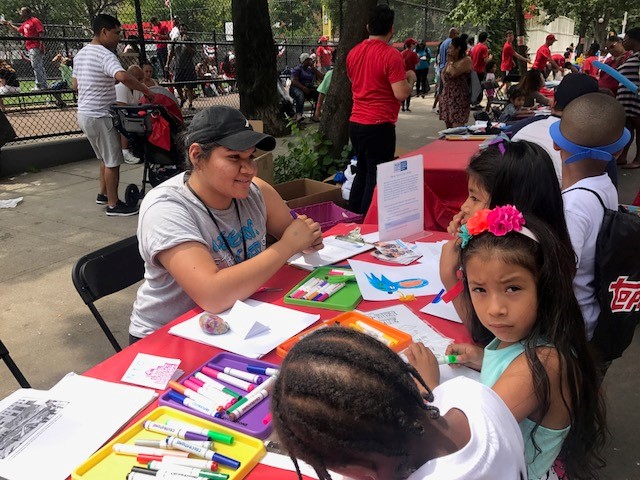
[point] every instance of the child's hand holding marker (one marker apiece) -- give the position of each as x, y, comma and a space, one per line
469, 355
426, 363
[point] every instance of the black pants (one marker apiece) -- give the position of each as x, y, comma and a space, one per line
373, 144
422, 87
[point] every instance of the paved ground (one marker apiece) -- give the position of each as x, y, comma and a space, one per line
50, 332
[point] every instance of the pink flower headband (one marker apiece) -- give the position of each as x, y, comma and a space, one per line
499, 221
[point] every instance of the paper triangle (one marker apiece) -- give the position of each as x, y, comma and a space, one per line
241, 321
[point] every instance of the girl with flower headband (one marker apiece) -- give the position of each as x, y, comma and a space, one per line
516, 173
518, 277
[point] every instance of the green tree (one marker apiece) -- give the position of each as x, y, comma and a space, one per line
296, 18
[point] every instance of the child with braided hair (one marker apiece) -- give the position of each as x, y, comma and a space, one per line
519, 280
345, 402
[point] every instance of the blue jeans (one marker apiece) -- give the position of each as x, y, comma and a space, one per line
37, 63
299, 97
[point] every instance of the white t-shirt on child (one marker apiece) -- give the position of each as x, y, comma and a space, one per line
583, 213
495, 449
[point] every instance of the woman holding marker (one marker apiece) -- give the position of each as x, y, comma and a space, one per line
202, 234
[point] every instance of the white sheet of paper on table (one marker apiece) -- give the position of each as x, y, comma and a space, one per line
393, 279
283, 324
334, 251
242, 322
442, 310
151, 371
430, 252
62, 427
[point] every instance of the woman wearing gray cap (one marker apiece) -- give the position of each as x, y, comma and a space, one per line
202, 234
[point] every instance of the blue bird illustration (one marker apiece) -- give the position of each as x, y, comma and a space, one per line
389, 286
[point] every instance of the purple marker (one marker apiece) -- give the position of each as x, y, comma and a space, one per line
293, 214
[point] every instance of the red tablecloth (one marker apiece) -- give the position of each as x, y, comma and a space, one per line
193, 354
445, 181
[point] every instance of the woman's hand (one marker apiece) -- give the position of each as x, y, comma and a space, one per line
467, 354
302, 234
425, 362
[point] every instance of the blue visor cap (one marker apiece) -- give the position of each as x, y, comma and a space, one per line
604, 153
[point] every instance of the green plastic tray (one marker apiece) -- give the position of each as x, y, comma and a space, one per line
345, 299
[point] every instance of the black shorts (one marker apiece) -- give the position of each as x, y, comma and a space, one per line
185, 75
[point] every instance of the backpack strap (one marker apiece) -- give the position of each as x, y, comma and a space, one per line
589, 190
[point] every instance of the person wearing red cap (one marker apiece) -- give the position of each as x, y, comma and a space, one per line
543, 56
411, 60
323, 54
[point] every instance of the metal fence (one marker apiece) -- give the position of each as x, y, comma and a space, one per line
421, 19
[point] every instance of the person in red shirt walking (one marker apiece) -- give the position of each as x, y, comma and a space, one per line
323, 54
378, 84
32, 29
508, 53
411, 60
543, 56
161, 32
479, 57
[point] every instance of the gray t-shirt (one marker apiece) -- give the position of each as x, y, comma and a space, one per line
171, 215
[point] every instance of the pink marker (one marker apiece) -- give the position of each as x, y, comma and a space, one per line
223, 377
212, 395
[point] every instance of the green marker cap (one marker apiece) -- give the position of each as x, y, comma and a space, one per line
220, 437
452, 358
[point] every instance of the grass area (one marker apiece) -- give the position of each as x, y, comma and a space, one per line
37, 98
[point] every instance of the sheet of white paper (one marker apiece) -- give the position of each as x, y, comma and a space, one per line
383, 282
447, 372
284, 463
11, 203
400, 197
283, 323
430, 251
151, 371
61, 428
334, 251
442, 310
402, 318
242, 322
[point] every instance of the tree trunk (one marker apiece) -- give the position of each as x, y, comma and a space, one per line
521, 46
582, 32
600, 30
337, 106
256, 70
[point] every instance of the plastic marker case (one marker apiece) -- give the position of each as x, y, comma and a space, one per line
345, 320
105, 464
251, 422
344, 300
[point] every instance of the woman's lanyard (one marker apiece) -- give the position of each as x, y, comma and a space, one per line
215, 222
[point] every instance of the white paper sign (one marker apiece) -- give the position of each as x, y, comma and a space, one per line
442, 310
383, 282
242, 322
401, 198
151, 371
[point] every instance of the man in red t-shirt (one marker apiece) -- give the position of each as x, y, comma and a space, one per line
543, 56
378, 84
508, 53
160, 32
410, 59
32, 29
323, 54
480, 56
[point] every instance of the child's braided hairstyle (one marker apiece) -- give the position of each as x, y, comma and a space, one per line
342, 395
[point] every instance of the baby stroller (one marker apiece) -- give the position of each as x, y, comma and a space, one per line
152, 130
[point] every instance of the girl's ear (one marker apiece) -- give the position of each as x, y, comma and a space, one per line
195, 150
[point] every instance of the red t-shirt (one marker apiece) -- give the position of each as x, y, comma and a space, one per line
159, 32
32, 28
588, 68
372, 66
542, 57
606, 80
324, 54
558, 58
478, 54
507, 57
411, 59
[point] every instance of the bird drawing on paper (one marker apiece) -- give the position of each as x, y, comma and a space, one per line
389, 286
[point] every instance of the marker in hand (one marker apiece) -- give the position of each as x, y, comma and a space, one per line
447, 359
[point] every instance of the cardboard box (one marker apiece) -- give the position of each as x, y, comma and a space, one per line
303, 192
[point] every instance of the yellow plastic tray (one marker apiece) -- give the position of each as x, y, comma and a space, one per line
106, 465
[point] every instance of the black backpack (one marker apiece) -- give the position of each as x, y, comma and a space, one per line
617, 280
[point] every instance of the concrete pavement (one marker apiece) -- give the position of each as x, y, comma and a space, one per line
49, 331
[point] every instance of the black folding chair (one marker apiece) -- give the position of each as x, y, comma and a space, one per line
13, 368
106, 271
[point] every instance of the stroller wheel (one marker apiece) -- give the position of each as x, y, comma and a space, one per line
132, 195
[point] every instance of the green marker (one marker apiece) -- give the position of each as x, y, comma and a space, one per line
242, 401
212, 434
447, 359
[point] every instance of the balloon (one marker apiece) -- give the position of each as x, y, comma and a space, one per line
618, 76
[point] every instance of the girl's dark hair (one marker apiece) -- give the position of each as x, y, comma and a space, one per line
484, 167
593, 48
342, 395
460, 44
532, 81
183, 145
633, 33
515, 92
559, 323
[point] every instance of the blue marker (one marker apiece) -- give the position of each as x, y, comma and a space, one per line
262, 370
438, 296
293, 214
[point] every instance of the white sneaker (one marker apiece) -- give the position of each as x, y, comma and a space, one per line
130, 158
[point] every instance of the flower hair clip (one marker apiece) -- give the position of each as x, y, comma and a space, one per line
499, 221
